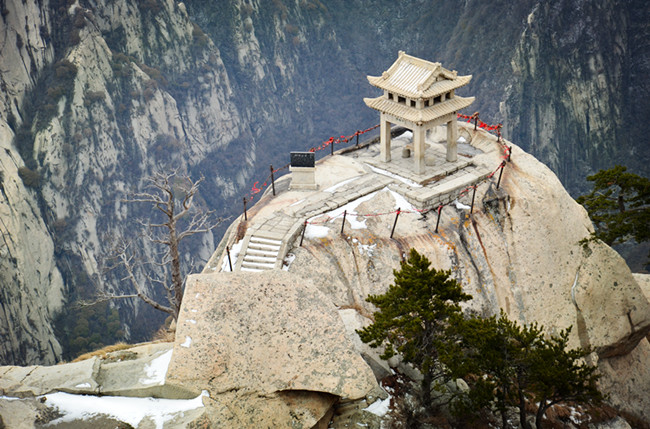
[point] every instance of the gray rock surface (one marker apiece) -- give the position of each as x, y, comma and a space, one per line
138, 372
520, 251
251, 336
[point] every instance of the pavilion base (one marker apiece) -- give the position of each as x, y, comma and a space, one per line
435, 159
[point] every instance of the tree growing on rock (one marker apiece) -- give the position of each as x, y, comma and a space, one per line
619, 206
507, 365
172, 196
412, 317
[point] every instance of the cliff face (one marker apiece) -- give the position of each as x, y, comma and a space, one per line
97, 95
519, 251
116, 92
576, 99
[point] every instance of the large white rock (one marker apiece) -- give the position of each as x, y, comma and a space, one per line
520, 251
255, 336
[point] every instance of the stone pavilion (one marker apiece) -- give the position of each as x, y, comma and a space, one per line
418, 95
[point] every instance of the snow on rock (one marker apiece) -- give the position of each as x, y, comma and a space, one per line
157, 369
316, 231
395, 176
125, 409
379, 407
234, 253
187, 343
461, 206
331, 189
401, 202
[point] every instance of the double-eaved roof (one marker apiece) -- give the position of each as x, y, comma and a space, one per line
418, 116
415, 78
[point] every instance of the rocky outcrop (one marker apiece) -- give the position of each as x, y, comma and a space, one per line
270, 343
519, 251
574, 80
119, 388
96, 96
31, 286
102, 99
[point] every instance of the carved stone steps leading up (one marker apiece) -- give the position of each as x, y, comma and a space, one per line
259, 253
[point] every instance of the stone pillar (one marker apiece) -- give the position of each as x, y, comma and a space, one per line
452, 139
418, 147
384, 145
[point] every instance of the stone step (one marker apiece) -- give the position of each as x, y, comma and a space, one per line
258, 265
256, 252
261, 240
260, 246
267, 259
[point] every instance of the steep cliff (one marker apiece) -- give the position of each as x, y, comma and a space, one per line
97, 95
121, 90
519, 251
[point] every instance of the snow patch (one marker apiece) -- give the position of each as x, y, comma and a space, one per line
461, 206
83, 386
407, 136
125, 409
351, 215
331, 189
234, 254
367, 248
379, 407
401, 202
157, 369
316, 231
192, 321
187, 343
287, 261
395, 176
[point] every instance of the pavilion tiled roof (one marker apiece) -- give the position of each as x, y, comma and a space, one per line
414, 78
418, 115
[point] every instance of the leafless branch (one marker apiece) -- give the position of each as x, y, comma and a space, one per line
171, 194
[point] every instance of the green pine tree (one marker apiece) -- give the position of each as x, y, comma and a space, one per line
412, 317
507, 365
619, 205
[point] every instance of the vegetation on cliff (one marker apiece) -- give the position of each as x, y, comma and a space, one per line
503, 364
619, 205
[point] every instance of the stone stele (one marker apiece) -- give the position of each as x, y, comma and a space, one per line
248, 336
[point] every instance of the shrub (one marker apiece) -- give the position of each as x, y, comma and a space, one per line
65, 70
200, 38
93, 97
30, 178
55, 92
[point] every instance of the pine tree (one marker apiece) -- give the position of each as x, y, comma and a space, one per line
619, 205
507, 365
413, 315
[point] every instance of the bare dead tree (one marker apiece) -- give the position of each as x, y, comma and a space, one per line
172, 195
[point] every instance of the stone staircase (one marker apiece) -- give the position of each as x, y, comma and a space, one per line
260, 254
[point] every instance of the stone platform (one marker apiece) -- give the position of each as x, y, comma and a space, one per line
276, 222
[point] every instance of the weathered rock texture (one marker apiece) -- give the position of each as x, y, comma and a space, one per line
129, 373
96, 95
520, 251
269, 347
